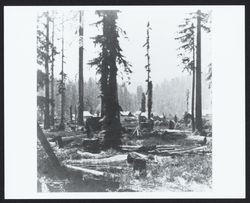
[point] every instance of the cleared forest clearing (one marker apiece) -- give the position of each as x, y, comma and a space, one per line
180, 164
97, 136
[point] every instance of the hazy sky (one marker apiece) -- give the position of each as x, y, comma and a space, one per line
163, 51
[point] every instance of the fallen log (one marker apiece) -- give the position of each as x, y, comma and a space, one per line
111, 160
67, 138
195, 150
92, 172
141, 148
84, 170
135, 155
49, 151
88, 155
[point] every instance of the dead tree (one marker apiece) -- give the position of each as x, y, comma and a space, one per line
80, 107
148, 69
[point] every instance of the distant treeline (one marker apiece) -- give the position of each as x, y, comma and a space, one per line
169, 97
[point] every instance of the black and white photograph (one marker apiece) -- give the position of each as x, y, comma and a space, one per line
124, 101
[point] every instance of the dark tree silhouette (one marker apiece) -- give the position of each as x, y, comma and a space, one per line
106, 64
81, 105
202, 19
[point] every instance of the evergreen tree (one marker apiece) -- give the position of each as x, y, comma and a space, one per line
106, 64
192, 52
188, 57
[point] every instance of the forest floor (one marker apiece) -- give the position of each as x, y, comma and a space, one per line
165, 173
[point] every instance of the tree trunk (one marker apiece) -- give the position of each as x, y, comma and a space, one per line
70, 114
112, 123
198, 76
193, 92
47, 119
52, 78
62, 124
193, 89
75, 115
44, 142
80, 107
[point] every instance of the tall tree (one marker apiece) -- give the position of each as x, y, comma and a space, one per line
62, 82
198, 110
47, 119
188, 57
106, 64
53, 53
148, 69
81, 105
46, 51
202, 19
190, 45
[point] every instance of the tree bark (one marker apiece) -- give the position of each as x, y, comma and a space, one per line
80, 107
198, 76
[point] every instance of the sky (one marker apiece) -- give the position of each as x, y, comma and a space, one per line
164, 22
